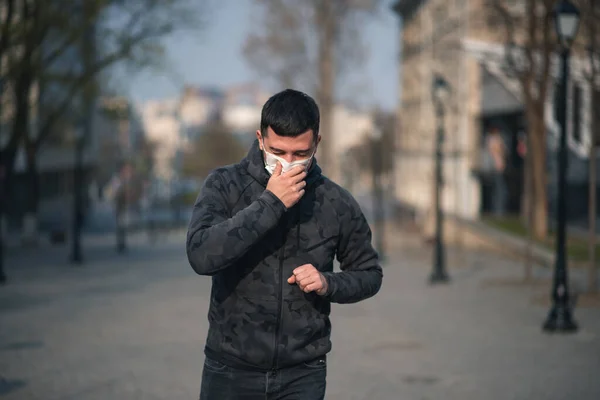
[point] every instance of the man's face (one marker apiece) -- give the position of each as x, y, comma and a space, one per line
289, 148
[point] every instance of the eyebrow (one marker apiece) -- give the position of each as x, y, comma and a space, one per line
275, 149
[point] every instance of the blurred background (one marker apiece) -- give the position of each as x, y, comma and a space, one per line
470, 147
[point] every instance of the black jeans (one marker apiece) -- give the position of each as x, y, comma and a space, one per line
302, 382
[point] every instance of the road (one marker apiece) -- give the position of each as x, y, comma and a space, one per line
133, 327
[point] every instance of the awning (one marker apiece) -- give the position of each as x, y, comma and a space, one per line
495, 98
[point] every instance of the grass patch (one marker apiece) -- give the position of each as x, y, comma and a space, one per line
577, 247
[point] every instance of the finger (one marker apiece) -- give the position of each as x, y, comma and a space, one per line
301, 268
292, 279
278, 169
297, 170
313, 287
304, 276
303, 273
304, 285
300, 185
298, 178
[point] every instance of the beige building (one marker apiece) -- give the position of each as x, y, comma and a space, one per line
454, 38
350, 128
162, 124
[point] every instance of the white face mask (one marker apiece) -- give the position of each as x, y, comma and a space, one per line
271, 162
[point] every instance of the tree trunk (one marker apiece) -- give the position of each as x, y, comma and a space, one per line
326, 21
31, 208
22, 91
528, 212
20, 127
526, 193
539, 190
592, 271
7, 163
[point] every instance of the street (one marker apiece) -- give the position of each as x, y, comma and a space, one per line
133, 327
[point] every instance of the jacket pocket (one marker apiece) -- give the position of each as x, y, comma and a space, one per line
307, 319
249, 330
214, 365
317, 244
317, 363
321, 243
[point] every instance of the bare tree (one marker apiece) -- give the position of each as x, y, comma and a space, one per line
361, 153
590, 11
39, 41
530, 46
216, 147
308, 44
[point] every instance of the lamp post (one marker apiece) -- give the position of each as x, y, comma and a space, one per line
122, 206
440, 92
82, 133
378, 203
559, 318
3, 191
76, 256
121, 209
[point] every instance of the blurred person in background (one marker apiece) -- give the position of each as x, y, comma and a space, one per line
122, 203
146, 203
267, 230
498, 152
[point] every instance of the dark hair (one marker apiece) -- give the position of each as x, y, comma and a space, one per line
290, 113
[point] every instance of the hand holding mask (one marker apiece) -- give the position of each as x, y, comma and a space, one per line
288, 187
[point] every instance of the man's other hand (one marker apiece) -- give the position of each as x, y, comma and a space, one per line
309, 279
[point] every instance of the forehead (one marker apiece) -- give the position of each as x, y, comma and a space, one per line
301, 142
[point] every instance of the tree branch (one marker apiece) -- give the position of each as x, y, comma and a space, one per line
508, 22
547, 51
591, 11
6, 24
80, 82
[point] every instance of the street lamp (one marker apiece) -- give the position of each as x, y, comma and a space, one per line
122, 206
3, 193
378, 203
83, 131
566, 17
440, 91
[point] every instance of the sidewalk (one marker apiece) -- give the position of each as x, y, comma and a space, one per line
134, 327
45, 260
470, 339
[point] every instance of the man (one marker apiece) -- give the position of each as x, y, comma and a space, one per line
497, 149
267, 231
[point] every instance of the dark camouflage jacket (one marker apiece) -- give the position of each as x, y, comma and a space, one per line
243, 236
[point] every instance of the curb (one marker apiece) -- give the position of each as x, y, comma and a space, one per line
511, 245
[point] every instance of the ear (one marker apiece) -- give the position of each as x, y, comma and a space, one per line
259, 137
318, 141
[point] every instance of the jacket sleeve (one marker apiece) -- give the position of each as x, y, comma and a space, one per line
361, 274
215, 239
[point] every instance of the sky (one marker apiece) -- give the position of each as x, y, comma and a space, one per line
213, 57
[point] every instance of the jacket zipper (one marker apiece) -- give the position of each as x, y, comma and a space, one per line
281, 284
279, 307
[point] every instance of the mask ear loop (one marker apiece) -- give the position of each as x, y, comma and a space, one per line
264, 151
